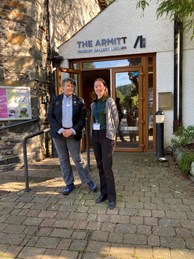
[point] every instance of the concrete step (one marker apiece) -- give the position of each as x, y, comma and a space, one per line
35, 175
48, 168
10, 160
48, 163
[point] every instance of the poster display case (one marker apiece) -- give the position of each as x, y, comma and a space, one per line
15, 103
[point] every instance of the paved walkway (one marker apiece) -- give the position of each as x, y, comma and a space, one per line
154, 217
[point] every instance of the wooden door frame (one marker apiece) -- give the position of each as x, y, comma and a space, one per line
71, 71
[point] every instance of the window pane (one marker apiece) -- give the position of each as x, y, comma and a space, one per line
150, 111
112, 63
150, 60
128, 109
74, 65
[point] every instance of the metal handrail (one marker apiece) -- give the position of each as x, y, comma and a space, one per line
24, 142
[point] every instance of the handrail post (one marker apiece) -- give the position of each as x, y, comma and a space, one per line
27, 189
87, 145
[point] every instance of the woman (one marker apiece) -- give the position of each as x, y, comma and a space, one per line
104, 124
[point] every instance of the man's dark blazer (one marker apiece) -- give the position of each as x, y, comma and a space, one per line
55, 116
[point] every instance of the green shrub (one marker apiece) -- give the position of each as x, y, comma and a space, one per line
185, 162
183, 136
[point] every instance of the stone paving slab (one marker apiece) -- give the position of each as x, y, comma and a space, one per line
153, 217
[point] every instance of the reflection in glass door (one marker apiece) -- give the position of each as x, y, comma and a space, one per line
128, 92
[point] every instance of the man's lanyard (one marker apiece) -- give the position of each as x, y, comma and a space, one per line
97, 111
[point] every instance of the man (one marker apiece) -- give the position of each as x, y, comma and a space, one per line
66, 116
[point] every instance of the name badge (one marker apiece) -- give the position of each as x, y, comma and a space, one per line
96, 126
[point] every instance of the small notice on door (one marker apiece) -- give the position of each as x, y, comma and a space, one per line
15, 103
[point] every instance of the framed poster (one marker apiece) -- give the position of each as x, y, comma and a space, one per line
15, 103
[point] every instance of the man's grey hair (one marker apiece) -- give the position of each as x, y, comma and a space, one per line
68, 79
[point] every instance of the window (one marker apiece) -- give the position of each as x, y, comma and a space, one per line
112, 63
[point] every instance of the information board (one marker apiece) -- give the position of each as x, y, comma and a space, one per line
15, 103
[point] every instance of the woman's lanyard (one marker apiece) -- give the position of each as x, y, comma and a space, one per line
97, 111
96, 125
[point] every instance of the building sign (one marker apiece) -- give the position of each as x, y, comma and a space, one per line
141, 41
102, 45
15, 103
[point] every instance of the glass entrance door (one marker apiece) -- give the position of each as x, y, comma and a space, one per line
127, 90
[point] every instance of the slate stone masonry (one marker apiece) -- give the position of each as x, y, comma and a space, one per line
30, 32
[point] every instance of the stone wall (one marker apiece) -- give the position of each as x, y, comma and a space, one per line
30, 32
24, 47
68, 17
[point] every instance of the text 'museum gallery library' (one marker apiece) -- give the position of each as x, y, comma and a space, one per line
148, 65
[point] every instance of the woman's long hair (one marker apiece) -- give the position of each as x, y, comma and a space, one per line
105, 95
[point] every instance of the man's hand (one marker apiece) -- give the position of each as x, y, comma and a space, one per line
67, 133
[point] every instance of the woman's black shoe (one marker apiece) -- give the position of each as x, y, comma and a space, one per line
111, 205
101, 198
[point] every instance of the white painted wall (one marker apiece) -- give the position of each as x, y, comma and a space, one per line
165, 83
188, 80
120, 19
188, 88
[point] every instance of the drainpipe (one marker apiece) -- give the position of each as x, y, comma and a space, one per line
178, 56
50, 50
181, 76
49, 29
53, 57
